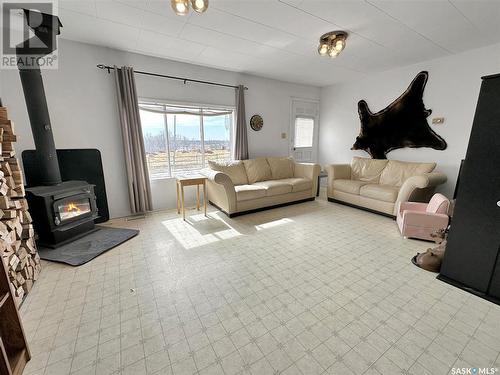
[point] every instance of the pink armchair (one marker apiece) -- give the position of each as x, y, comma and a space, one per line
420, 220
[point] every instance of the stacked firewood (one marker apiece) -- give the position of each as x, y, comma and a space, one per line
17, 237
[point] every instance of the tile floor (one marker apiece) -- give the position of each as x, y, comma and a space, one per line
314, 288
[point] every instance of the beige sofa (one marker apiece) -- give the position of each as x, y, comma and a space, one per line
251, 185
379, 185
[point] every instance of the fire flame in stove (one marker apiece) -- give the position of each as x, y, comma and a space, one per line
72, 207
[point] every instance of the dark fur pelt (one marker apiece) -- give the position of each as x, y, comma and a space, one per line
403, 123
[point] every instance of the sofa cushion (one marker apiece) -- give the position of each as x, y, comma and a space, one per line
365, 169
281, 167
235, 170
248, 192
397, 172
275, 187
257, 170
348, 186
298, 183
386, 193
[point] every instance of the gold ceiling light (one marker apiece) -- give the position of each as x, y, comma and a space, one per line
181, 7
199, 6
332, 43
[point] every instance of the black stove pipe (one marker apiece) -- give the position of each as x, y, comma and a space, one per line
45, 27
38, 112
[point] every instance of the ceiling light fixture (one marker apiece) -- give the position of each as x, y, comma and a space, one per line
199, 6
181, 7
332, 43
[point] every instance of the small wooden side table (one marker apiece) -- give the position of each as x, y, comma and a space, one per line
198, 180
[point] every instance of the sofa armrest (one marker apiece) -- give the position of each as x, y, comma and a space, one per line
412, 206
425, 219
427, 181
337, 172
310, 171
221, 190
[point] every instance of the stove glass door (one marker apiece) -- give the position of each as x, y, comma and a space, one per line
70, 209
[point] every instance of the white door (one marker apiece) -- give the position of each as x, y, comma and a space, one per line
304, 130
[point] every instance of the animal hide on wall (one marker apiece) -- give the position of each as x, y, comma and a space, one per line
403, 123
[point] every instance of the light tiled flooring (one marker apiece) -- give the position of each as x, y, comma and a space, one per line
314, 288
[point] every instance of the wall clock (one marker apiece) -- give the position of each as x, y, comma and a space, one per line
256, 122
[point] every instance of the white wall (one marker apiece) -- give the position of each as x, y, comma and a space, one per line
82, 106
452, 91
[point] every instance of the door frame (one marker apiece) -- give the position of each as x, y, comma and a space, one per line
291, 138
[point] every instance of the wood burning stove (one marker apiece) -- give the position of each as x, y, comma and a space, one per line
61, 211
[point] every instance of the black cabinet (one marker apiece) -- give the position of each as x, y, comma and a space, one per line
472, 258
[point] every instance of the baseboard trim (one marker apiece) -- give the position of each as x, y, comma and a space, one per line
361, 208
234, 214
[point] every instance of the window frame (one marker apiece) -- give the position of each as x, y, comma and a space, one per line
161, 102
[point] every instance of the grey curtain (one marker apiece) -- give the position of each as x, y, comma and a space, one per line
240, 134
135, 156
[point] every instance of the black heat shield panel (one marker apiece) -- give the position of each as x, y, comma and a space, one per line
75, 164
472, 257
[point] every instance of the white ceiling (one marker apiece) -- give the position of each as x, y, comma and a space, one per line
278, 38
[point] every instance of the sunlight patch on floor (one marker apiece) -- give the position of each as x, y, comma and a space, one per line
274, 223
199, 230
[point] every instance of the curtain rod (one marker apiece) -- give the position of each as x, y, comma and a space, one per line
109, 68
